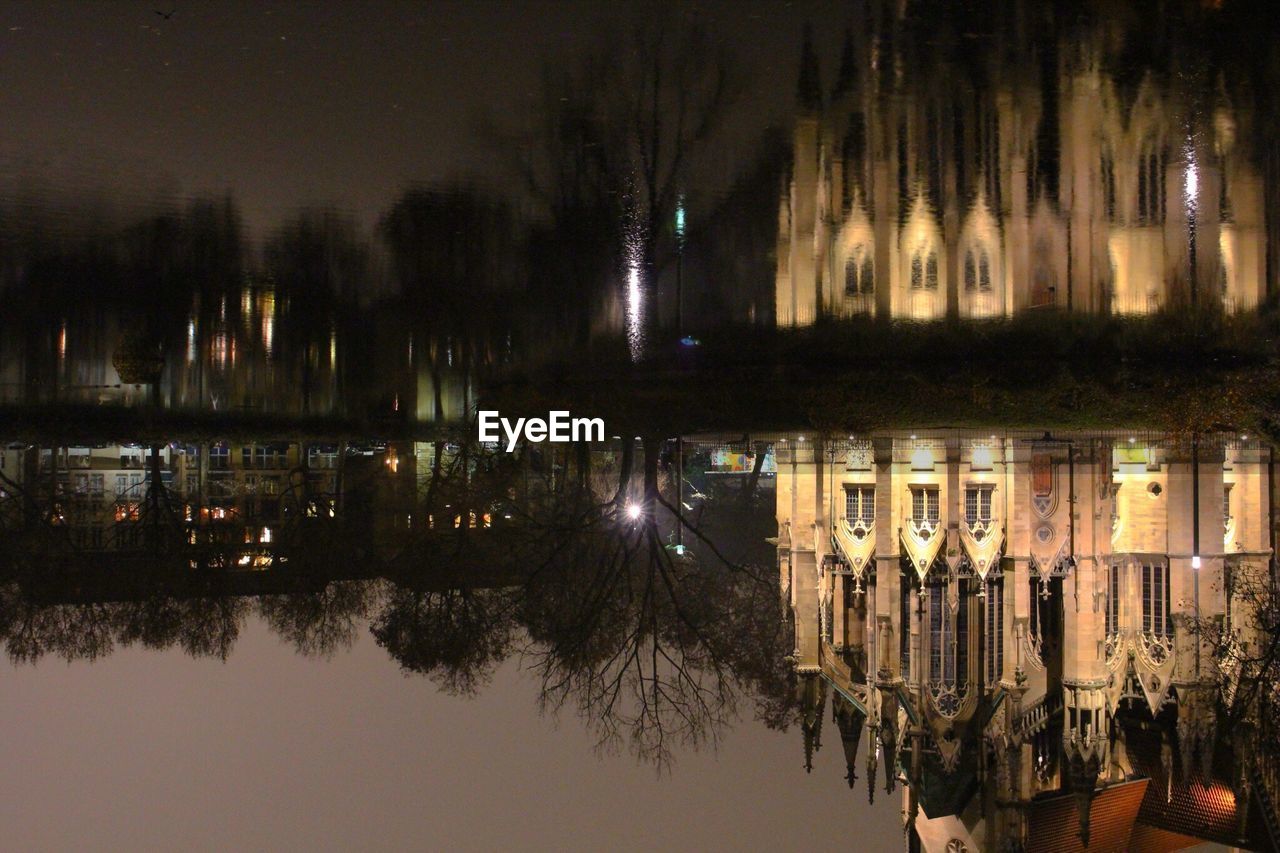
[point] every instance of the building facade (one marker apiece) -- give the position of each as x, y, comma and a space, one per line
1010, 620
1023, 171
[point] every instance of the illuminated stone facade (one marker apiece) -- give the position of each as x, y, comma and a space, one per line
995, 614
1033, 178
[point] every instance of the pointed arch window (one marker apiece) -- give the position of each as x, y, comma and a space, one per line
948, 638
859, 273
1151, 168
924, 511
995, 631
905, 600
1155, 600
859, 508
924, 269
977, 270
1113, 600
977, 510
1224, 193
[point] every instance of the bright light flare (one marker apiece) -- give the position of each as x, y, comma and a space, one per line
633, 511
1192, 178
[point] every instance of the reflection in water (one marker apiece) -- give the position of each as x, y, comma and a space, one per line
955, 165
1046, 640
455, 557
635, 300
1051, 641
1023, 162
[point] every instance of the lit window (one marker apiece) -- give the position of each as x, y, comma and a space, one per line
1151, 168
948, 645
859, 274
859, 505
1113, 600
924, 509
995, 631
1155, 599
977, 503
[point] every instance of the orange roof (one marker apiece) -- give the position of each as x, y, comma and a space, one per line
1149, 839
1053, 825
1188, 806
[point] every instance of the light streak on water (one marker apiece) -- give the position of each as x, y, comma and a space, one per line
1192, 180
635, 292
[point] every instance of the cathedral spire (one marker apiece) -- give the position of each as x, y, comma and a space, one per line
813, 701
809, 88
850, 720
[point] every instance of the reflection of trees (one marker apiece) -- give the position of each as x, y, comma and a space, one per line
454, 636
203, 627
649, 647
621, 132
319, 623
535, 553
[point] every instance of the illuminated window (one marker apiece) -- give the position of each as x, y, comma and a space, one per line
924, 269
859, 275
1155, 599
977, 270
977, 503
1151, 167
924, 509
948, 645
995, 630
905, 601
1108, 170
860, 504
1226, 505
1113, 600
1224, 196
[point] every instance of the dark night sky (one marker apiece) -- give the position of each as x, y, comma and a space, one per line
292, 103
147, 750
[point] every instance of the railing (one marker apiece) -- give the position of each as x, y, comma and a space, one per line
1036, 717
